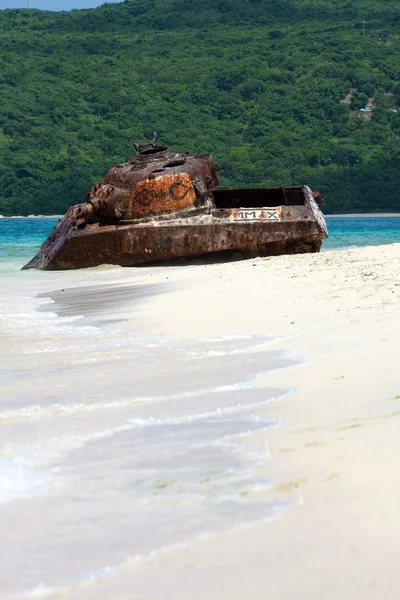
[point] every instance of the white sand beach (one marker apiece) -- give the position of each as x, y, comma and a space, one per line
334, 458
337, 451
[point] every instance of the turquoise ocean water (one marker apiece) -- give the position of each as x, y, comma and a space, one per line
20, 239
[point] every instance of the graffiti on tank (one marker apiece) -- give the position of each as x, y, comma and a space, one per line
255, 214
166, 190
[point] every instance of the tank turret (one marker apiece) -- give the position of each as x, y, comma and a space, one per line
156, 181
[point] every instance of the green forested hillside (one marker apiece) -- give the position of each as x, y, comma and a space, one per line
258, 83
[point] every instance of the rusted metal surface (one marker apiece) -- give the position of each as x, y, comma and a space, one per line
155, 181
162, 205
166, 193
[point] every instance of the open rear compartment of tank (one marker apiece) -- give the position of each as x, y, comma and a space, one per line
225, 198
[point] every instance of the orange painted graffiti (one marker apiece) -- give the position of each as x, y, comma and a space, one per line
165, 193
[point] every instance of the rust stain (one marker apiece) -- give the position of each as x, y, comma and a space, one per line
166, 193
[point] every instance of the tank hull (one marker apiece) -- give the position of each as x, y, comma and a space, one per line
266, 230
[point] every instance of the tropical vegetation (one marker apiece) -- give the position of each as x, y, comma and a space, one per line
273, 88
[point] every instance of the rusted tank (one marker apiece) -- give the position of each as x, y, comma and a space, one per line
163, 204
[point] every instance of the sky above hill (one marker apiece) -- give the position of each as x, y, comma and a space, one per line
53, 4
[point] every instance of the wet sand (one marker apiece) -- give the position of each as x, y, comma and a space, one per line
117, 442
331, 463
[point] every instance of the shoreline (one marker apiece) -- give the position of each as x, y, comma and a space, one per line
33, 217
340, 311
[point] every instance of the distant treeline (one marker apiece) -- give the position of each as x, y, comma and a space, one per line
258, 83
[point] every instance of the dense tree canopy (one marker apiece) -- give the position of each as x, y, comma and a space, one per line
259, 83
